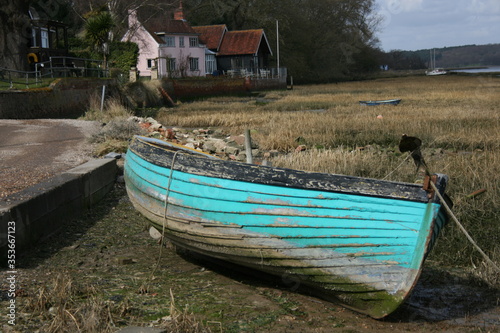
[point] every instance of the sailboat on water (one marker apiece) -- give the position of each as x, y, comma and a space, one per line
434, 71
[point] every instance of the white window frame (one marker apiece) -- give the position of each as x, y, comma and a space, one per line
210, 64
193, 42
169, 41
44, 38
181, 41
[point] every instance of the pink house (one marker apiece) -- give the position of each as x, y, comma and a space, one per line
168, 48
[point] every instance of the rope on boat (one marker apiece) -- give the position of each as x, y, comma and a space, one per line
396, 168
461, 227
165, 208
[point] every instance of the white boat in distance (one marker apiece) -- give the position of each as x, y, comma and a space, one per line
434, 71
437, 71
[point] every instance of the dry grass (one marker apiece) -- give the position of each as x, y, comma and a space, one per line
63, 305
457, 117
115, 136
182, 321
112, 109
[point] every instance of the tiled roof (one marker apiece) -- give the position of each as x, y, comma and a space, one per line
241, 42
211, 35
167, 26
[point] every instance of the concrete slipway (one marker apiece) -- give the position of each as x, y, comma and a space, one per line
55, 155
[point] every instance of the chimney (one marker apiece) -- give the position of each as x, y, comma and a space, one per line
179, 14
132, 18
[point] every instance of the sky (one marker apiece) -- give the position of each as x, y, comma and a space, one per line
426, 24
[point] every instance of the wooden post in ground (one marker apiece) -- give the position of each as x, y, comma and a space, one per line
248, 146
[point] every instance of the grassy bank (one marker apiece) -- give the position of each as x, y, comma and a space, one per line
457, 117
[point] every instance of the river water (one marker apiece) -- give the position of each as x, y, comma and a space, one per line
491, 69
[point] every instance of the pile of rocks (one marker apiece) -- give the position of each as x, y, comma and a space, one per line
211, 141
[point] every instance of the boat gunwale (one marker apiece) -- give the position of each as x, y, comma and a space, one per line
197, 163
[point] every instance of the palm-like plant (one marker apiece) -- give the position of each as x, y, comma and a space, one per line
98, 32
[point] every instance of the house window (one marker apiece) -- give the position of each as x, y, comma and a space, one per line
210, 63
181, 41
193, 42
170, 41
45, 38
171, 64
33, 37
151, 63
194, 64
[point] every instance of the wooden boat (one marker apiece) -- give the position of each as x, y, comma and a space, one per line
383, 102
357, 241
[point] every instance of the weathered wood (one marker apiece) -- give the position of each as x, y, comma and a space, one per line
359, 241
281, 176
248, 146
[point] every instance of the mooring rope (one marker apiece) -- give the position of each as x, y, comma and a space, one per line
396, 168
461, 227
165, 208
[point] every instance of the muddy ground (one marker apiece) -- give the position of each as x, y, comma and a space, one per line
108, 259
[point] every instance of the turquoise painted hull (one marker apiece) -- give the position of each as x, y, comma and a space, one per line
359, 242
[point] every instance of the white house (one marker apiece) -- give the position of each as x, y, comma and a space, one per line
170, 47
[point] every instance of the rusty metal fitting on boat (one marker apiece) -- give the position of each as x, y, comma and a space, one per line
427, 186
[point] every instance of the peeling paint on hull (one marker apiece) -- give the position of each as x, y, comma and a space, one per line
361, 242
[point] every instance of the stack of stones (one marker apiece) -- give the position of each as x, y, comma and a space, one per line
212, 141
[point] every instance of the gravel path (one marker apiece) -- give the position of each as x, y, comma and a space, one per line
34, 150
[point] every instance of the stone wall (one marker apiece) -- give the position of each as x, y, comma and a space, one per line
64, 98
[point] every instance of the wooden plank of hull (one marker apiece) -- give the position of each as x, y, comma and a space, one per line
358, 249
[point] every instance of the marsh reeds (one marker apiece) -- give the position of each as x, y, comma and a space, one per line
457, 118
65, 305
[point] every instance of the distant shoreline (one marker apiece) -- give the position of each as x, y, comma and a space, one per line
476, 70
467, 68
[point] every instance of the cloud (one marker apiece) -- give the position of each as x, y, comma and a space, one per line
419, 24
483, 7
402, 6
